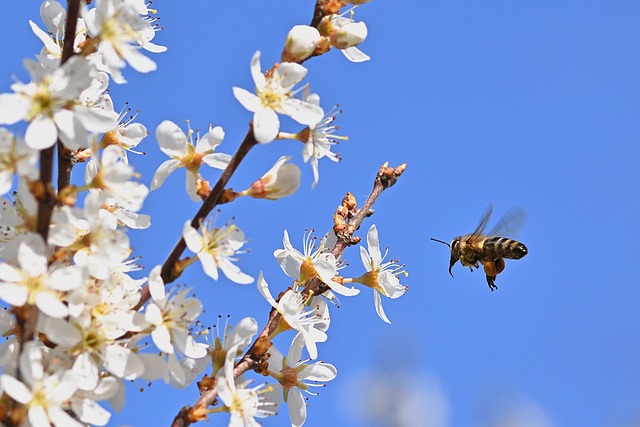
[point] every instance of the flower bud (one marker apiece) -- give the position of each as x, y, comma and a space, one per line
347, 33
301, 42
282, 180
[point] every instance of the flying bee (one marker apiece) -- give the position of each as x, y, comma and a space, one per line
489, 249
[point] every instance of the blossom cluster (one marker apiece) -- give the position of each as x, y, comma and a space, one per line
82, 319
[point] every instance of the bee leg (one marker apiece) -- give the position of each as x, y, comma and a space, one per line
492, 269
491, 281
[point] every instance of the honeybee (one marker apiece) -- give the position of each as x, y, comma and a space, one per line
489, 249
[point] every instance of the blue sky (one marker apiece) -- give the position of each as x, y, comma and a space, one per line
509, 103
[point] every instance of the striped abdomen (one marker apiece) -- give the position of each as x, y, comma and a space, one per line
501, 247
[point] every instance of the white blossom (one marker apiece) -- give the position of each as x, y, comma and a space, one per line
53, 108
381, 277
175, 144
274, 94
292, 306
295, 376
217, 248
35, 282
243, 403
312, 262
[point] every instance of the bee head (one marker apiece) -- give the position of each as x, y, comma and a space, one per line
455, 253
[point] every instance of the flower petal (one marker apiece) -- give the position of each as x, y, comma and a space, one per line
378, 303
163, 172
171, 139
247, 99
16, 389
41, 133
266, 125
374, 245
297, 408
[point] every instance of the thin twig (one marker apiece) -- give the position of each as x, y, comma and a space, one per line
168, 272
256, 354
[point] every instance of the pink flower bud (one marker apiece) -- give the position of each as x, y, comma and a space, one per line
282, 180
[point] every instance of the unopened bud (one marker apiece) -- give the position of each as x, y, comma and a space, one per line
347, 33
282, 180
301, 43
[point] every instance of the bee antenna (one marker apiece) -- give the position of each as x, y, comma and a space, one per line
440, 241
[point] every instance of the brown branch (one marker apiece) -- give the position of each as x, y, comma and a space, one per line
65, 160
168, 272
45, 193
257, 354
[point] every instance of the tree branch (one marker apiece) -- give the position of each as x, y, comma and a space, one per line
45, 193
257, 353
168, 272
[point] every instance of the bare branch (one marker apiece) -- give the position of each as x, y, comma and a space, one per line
257, 354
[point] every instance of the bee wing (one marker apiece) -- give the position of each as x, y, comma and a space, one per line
483, 222
510, 223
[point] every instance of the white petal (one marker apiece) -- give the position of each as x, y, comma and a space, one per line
374, 245
155, 366
49, 304
16, 389
318, 371
354, 54
97, 119
13, 294
13, 107
256, 72
38, 417
90, 412
9, 273
41, 133
138, 60
153, 314
233, 272
366, 259
65, 279
303, 112
192, 191
343, 290
61, 332
266, 125
193, 349
86, 372
122, 362
217, 160
378, 303
210, 140
208, 265
242, 333
59, 418
6, 181
48, 42
71, 131
192, 238
391, 285
162, 339
156, 284
171, 139
263, 288
291, 73
295, 350
163, 172
297, 408
247, 99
